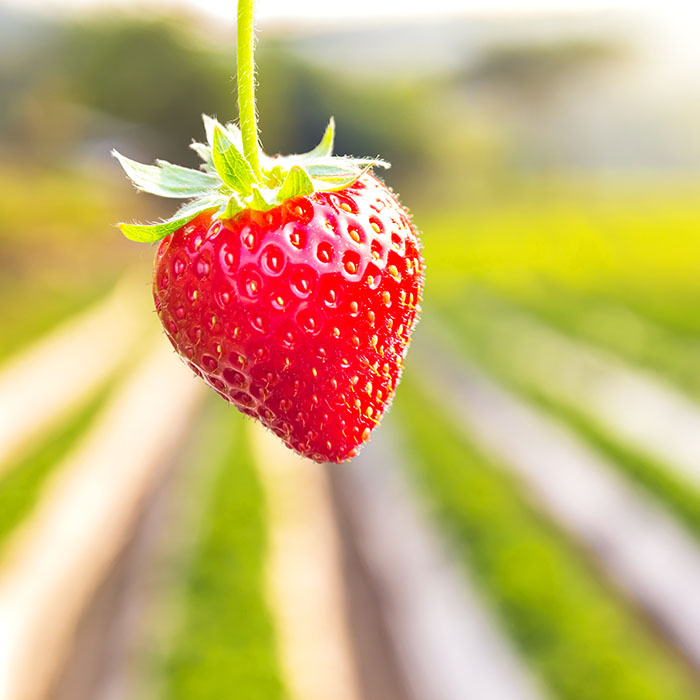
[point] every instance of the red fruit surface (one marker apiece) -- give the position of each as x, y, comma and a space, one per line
300, 316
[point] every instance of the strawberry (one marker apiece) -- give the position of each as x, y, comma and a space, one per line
289, 284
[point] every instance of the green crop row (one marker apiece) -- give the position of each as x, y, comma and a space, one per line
614, 326
225, 644
582, 641
472, 324
637, 245
34, 308
57, 257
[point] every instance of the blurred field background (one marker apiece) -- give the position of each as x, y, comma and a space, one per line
525, 523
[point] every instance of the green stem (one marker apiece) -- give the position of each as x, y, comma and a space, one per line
246, 84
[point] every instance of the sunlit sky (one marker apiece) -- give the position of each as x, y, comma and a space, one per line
324, 11
672, 25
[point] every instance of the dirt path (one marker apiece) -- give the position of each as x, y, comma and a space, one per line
306, 590
85, 519
63, 369
640, 546
638, 407
445, 642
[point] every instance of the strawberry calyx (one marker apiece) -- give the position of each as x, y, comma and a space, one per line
227, 184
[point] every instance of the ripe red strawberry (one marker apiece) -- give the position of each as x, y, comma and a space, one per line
300, 315
290, 284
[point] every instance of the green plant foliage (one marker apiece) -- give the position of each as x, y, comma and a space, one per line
613, 324
144, 72
59, 258
42, 308
638, 245
582, 641
225, 646
660, 481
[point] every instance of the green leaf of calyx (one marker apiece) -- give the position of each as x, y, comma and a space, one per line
325, 147
331, 167
230, 164
233, 133
328, 184
150, 233
209, 125
296, 184
369, 162
168, 180
233, 207
263, 201
204, 152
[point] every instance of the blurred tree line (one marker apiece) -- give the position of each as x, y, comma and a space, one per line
142, 84
150, 81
